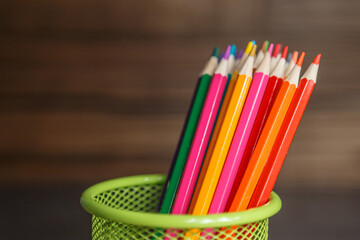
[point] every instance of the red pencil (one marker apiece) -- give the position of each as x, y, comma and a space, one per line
286, 134
275, 56
271, 91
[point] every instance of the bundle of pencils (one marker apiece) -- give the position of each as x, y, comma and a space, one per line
242, 119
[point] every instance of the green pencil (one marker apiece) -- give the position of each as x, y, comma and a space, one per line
182, 150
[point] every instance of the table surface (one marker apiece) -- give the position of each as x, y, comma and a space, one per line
55, 213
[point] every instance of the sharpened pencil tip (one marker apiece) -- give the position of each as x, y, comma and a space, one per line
221, 56
263, 47
267, 45
270, 49
215, 52
240, 54
317, 59
248, 47
284, 53
233, 50
295, 56
276, 50
227, 53
301, 59
254, 42
253, 50
288, 59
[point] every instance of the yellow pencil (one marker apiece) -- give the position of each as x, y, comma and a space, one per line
240, 62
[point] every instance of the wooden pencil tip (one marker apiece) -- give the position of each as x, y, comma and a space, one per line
270, 49
263, 47
301, 59
289, 57
276, 50
240, 54
295, 56
248, 47
317, 59
227, 53
233, 50
284, 53
253, 50
215, 52
221, 56
267, 45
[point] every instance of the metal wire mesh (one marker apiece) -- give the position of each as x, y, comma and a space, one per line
145, 198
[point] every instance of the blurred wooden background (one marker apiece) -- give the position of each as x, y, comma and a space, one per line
91, 90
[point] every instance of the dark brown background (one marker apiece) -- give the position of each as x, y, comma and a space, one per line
92, 90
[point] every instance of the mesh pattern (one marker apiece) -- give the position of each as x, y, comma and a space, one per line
142, 198
145, 198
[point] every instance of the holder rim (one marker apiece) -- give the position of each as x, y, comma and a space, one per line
169, 221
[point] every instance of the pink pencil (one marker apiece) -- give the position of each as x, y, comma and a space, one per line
241, 135
201, 137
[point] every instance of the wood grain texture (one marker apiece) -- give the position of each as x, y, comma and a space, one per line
92, 90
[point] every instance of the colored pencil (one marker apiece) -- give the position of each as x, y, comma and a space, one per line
241, 135
225, 137
201, 136
221, 56
291, 63
214, 136
266, 140
275, 56
229, 68
288, 59
280, 65
261, 54
286, 134
271, 91
245, 55
254, 42
239, 56
231, 61
187, 134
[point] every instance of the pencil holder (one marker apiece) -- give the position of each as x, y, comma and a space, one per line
124, 208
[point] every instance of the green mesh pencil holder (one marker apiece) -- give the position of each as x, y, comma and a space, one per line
124, 208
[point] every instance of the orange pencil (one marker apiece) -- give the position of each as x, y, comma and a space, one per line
287, 131
266, 140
